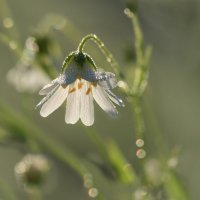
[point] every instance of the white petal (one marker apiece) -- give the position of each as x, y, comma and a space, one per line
47, 88
47, 97
88, 74
115, 98
104, 102
87, 106
106, 80
71, 73
73, 107
54, 101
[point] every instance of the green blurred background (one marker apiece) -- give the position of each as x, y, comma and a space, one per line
172, 27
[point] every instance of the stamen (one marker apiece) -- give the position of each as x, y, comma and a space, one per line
94, 84
80, 85
72, 90
88, 90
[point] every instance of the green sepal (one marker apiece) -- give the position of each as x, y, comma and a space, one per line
91, 61
80, 58
67, 60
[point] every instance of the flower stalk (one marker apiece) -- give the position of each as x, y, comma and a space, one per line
108, 55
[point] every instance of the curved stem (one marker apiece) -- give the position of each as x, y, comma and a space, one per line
84, 40
109, 57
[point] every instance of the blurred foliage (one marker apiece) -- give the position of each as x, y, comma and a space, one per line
144, 178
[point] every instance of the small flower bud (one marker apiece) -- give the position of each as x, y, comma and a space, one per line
31, 170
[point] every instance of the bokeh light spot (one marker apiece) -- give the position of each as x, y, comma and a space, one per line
8, 22
93, 192
141, 153
139, 143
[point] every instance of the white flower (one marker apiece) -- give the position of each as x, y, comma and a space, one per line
24, 77
80, 84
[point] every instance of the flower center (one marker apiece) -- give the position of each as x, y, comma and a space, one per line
80, 85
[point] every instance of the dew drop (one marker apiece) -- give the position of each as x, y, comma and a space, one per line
8, 22
88, 182
94, 36
108, 59
139, 143
140, 153
128, 12
172, 162
87, 176
13, 45
93, 192
123, 85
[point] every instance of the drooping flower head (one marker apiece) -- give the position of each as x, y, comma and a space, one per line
79, 83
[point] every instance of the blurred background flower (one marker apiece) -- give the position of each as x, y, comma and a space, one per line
102, 162
31, 170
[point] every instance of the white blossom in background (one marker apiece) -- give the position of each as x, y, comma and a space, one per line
79, 85
24, 77
32, 170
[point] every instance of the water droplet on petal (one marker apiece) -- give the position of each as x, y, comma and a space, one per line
8, 22
139, 143
141, 153
93, 192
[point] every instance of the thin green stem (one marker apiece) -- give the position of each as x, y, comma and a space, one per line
109, 57
138, 36
113, 157
29, 130
84, 40
142, 56
6, 13
11, 44
137, 114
